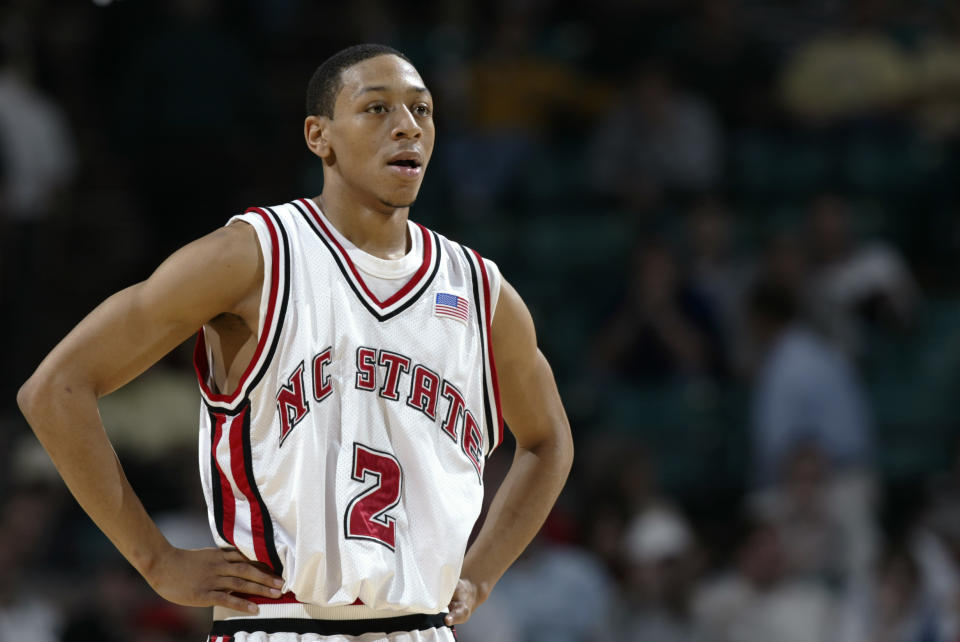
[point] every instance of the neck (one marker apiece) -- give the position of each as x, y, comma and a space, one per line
375, 228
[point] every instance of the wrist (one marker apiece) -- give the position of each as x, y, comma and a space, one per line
481, 587
148, 559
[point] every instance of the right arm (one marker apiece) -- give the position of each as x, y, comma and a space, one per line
126, 334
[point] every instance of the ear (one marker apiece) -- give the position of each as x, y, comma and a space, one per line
315, 131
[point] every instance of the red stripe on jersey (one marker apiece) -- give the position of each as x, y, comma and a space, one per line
414, 280
228, 501
200, 352
245, 485
493, 365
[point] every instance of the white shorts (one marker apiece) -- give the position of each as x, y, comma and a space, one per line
305, 623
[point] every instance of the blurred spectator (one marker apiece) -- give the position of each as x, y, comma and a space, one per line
894, 607
825, 520
516, 96
664, 329
805, 390
722, 60
189, 83
938, 71
935, 543
856, 283
785, 265
782, 25
618, 478
106, 611
759, 601
37, 163
716, 271
844, 73
37, 149
553, 593
28, 527
657, 139
664, 566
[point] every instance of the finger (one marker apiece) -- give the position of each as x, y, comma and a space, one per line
238, 585
459, 613
222, 598
250, 572
233, 555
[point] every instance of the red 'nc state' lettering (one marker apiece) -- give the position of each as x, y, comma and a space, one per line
395, 363
471, 442
290, 403
424, 391
366, 372
457, 405
321, 381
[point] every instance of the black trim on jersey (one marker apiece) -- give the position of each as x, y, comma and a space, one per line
301, 626
491, 434
215, 477
282, 313
267, 520
345, 271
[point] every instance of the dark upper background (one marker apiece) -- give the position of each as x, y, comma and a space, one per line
636, 168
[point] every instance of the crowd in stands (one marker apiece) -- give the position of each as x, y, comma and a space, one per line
735, 222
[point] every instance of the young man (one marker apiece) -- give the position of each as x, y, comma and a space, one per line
354, 368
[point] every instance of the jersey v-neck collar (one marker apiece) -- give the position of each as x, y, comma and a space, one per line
374, 266
427, 261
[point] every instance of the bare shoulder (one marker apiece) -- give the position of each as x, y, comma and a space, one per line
224, 267
514, 338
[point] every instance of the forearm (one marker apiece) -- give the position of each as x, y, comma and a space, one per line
518, 510
66, 420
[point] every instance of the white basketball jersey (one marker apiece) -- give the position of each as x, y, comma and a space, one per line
350, 457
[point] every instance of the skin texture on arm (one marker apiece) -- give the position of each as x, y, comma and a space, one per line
532, 408
126, 334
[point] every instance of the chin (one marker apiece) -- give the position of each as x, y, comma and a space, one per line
398, 201
398, 206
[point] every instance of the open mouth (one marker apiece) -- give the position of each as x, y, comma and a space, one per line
405, 163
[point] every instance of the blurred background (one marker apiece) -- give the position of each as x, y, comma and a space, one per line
736, 223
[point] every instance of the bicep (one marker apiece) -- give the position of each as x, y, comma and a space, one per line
528, 392
135, 327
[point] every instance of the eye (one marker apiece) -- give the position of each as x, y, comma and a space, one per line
378, 108
422, 110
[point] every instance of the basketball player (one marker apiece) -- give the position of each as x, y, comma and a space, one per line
354, 368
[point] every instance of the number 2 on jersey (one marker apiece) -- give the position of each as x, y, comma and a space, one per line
366, 516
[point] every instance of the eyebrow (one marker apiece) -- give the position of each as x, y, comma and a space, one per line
364, 90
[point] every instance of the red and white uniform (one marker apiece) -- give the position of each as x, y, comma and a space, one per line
350, 457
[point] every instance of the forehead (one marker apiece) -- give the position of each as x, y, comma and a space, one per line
389, 72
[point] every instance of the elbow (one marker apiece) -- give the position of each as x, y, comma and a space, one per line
26, 398
36, 394
566, 449
557, 449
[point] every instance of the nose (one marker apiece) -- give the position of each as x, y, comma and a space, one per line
405, 125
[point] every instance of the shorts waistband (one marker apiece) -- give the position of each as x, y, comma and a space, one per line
414, 622
299, 610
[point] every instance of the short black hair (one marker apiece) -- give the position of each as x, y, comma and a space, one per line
326, 81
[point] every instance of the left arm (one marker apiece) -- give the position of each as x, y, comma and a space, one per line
531, 407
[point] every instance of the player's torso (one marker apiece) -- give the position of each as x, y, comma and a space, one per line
351, 455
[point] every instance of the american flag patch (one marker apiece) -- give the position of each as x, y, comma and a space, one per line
451, 305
